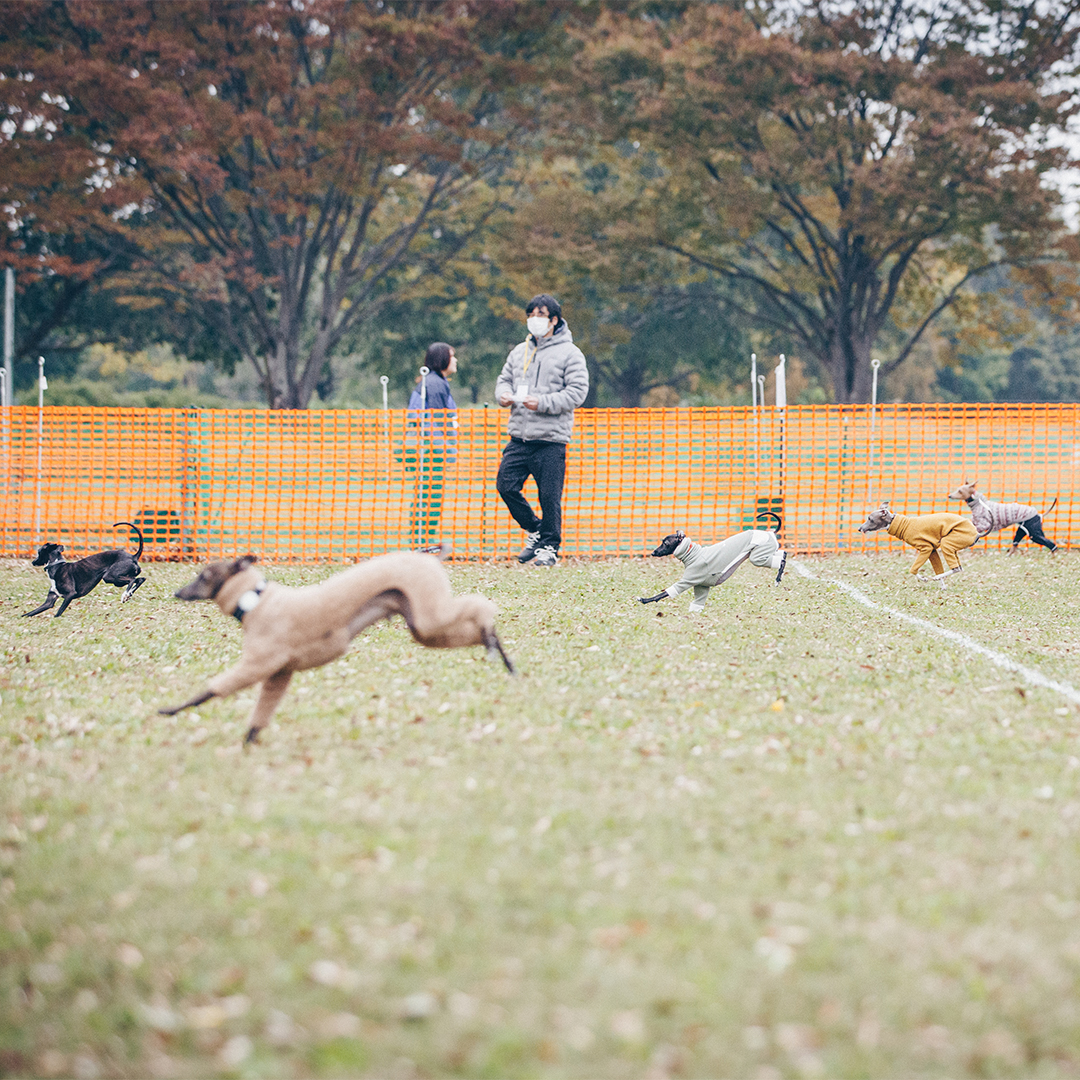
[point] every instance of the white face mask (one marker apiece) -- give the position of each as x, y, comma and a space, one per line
538, 325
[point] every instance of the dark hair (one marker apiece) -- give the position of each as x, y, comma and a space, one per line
546, 300
437, 357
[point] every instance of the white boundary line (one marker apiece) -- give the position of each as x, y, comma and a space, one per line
1029, 675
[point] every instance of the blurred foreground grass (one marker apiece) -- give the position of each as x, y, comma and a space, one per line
782, 838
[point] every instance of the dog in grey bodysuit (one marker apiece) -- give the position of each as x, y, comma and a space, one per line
706, 567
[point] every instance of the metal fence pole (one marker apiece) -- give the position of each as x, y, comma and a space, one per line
8, 372
875, 364
780, 391
9, 334
42, 384
421, 518
754, 411
384, 379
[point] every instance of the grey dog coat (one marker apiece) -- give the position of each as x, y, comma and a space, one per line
704, 567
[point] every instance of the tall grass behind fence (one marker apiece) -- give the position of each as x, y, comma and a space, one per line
334, 486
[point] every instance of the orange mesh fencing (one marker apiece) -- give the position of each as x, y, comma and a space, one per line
330, 485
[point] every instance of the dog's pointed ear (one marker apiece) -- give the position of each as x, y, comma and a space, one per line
242, 563
680, 534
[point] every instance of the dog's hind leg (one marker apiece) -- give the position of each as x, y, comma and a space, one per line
780, 570
206, 695
273, 690
382, 606
731, 568
130, 590
494, 645
49, 601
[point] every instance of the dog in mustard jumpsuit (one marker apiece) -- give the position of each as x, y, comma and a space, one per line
931, 535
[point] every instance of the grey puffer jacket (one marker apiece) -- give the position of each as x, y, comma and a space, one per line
557, 378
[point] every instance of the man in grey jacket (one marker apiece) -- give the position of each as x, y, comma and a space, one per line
543, 380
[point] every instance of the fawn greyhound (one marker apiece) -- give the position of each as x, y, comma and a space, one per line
292, 629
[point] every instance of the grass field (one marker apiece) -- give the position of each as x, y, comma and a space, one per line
787, 837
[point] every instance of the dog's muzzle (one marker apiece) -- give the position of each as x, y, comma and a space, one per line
668, 545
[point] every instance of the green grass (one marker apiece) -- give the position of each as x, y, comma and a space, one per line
782, 838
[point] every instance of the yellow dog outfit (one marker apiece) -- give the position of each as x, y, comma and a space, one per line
929, 534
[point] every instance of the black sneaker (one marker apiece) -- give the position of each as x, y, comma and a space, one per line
546, 556
529, 550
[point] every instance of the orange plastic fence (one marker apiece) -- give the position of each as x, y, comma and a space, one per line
338, 485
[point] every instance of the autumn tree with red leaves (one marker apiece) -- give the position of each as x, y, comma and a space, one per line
282, 170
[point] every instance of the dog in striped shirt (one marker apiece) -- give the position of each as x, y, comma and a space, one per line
988, 517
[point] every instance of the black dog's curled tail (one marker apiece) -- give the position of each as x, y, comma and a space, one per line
775, 517
138, 532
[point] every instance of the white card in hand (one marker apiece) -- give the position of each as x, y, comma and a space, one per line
522, 392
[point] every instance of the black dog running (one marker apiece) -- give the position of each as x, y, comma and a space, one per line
70, 580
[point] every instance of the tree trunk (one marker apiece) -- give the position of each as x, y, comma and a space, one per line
848, 367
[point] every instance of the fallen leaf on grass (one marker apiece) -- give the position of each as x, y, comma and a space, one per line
129, 955
419, 1006
331, 973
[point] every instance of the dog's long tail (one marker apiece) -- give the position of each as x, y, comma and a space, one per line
1050, 507
138, 533
775, 517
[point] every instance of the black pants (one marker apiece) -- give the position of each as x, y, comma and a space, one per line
546, 463
1033, 528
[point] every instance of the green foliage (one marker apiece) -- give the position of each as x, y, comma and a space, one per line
317, 197
150, 378
834, 163
394, 342
676, 340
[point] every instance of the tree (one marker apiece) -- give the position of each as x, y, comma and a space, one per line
644, 322
838, 164
283, 170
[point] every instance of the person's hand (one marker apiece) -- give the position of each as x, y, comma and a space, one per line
506, 400
531, 403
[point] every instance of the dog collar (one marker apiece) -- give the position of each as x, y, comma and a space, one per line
247, 601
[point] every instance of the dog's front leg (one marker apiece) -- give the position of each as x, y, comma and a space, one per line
64, 606
273, 690
49, 601
653, 599
206, 695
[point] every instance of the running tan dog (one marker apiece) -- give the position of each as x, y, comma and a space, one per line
287, 629
929, 535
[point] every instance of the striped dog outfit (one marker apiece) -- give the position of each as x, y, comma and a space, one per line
988, 517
